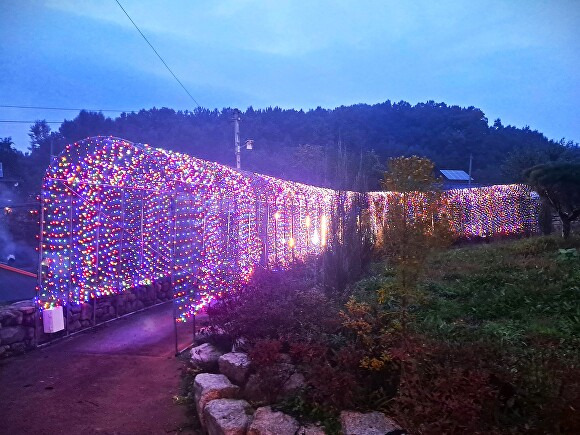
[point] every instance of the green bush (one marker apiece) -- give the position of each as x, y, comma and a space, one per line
492, 347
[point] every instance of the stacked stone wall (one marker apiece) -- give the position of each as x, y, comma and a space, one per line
16, 328
17, 321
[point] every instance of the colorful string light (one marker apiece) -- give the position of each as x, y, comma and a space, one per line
116, 215
502, 210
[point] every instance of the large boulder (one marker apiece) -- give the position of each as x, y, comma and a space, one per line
227, 417
205, 356
370, 423
269, 422
236, 366
208, 387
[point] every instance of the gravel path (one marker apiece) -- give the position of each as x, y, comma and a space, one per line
118, 379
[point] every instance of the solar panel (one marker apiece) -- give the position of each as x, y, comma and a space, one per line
454, 174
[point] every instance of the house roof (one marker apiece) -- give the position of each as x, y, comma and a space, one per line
455, 175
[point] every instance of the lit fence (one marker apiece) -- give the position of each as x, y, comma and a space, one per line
117, 215
493, 211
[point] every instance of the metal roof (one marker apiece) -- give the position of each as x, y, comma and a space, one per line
455, 175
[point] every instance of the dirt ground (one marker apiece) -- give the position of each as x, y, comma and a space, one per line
120, 378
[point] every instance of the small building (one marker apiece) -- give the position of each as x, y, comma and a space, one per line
456, 179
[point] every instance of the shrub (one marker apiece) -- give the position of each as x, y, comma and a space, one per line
265, 353
276, 305
350, 248
444, 390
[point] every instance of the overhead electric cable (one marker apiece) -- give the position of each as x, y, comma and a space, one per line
63, 108
31, 122
158, 55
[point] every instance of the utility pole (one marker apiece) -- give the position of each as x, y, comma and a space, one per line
236, 119
470, 163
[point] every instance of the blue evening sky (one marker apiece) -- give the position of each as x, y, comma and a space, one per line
515, 59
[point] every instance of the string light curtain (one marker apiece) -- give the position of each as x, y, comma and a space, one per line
116, 215
501, 210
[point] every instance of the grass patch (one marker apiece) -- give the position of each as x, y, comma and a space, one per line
508, 293
492, 345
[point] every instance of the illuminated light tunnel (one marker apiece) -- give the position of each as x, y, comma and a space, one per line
117, 215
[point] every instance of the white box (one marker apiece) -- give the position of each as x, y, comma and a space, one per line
52, 319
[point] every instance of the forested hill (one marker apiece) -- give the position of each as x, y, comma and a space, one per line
346, 147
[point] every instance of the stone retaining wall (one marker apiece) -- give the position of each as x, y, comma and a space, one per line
17, 320
222, 400
16, 328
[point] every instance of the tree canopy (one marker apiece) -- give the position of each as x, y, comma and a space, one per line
559, 183
345, 147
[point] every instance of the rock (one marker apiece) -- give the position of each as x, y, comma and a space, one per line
29, 333
236, 366
295, 382
227, 417
12, 334
4, 349
311, 429
86, 311
255, 390
239, 344
11, 317
205, 356
28, 319
25, 303
207, 387
75, 309
26, 309
268, 422
74, 326
370, 423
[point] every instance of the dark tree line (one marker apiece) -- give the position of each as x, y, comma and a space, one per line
344, 148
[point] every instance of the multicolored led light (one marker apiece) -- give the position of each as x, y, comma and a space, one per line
501, 210
116, 215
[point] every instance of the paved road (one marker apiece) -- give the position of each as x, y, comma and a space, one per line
117, 379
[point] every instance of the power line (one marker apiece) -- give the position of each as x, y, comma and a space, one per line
30, 122
158, 55
63, 108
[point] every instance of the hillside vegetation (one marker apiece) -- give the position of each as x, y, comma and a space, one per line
491, 347
346, 147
